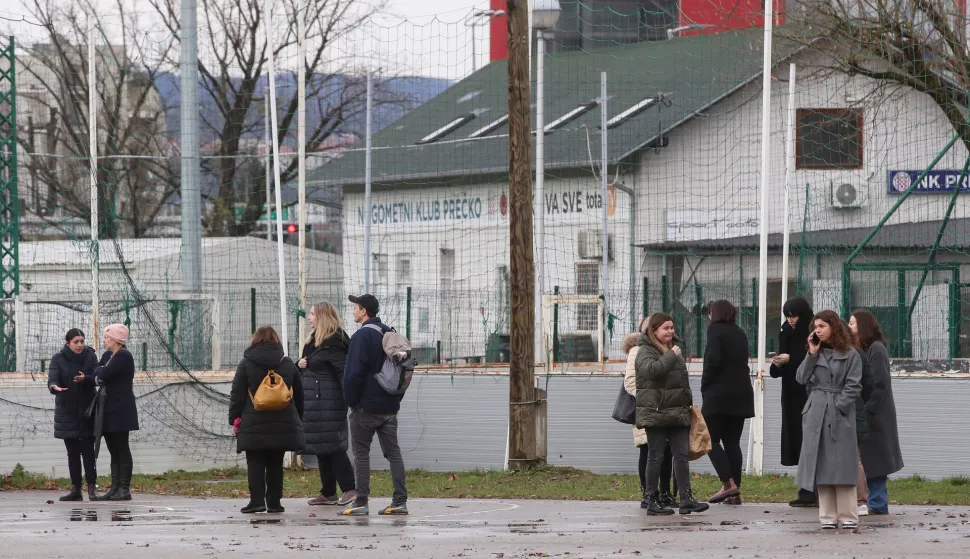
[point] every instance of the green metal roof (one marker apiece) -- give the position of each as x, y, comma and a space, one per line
692, 73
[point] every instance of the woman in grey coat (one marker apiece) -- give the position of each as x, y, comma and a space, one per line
881, 455
832, 373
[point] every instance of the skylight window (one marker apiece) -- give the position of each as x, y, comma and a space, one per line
631, 112
446, 129
490, 127
570, 116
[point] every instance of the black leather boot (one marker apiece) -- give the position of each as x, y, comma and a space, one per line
689, 505
124, 484
644, 498
93, 492
666, 499
655, 507
115, 482
74, 495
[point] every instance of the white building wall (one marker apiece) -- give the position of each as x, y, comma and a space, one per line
423, 227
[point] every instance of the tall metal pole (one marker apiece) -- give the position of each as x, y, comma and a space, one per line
191, 264
368, 169
756, 460
474, 53
271, 67
93, 149
268, 172
789, 170
522, 392
604, 187
301, 154
540, 212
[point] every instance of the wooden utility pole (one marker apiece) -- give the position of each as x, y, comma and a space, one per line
522, 393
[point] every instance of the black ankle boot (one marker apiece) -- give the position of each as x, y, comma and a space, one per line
689, 505
666, 499
74, 495
115, 482
655, 507
93, 492
124, 484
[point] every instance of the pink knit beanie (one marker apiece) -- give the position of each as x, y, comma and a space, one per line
117, 332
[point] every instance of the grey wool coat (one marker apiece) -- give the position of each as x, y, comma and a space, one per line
881, 455
830, 453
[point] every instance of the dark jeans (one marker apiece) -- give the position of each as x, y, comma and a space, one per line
878, 495
363, 426
334, 469
76, 449
666, 470
117, 444
726, 446
657, 440
265, 469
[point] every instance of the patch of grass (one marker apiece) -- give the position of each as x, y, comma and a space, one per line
553, 483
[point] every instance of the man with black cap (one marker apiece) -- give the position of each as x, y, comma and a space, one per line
373, 410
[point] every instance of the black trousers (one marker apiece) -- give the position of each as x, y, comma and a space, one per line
666, 469
726, 446
117, 444
265, 469
76, 450
658, 439
335, 469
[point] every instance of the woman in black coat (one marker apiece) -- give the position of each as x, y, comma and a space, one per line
265, 436
71, 381
727, 397
792, 350
325, 410
116, 375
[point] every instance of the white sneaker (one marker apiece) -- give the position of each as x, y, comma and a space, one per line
863, 510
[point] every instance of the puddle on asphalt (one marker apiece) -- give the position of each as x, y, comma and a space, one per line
91, 515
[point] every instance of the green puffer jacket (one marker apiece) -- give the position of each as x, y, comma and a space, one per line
664, 397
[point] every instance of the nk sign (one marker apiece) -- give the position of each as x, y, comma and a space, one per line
935, 182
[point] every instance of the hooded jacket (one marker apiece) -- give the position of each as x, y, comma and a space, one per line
664, 397
324, 409
266, 430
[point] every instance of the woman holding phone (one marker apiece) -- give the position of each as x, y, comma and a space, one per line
832, 372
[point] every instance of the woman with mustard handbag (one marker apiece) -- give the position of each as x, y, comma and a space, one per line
266, 417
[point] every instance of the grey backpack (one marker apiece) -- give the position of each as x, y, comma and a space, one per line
398, 368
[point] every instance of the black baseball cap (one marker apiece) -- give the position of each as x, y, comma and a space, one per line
368, 302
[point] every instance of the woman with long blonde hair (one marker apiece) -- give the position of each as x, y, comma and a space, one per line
325, 413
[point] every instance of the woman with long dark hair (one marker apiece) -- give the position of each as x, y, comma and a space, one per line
792, 350
828, 464
265, 436
71, 381
116, 374
664, 402
727, 397
881, 454
325, 409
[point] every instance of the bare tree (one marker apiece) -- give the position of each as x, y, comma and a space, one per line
136, 175
232, 63
917, 44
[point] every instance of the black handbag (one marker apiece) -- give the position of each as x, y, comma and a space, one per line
625, 408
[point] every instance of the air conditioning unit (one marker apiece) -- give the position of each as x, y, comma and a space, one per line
589, 245
847, 195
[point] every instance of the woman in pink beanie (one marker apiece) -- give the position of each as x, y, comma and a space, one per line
116, 374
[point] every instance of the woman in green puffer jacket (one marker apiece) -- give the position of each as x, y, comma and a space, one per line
664, 400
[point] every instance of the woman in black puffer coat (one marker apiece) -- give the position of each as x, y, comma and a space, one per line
325, 410
71, 381
265, 436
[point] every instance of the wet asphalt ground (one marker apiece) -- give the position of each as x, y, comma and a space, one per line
153, 526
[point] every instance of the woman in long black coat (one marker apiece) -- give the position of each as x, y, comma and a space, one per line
265, 436
728, 398
71, 380
792, 350
325, 410
116, 374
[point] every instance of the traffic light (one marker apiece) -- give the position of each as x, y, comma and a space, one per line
292, 228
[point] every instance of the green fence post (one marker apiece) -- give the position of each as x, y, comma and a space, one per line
700, 319
954, 323
664, 294
43, 365
753, 341
252, 308
646, 297
555, 327
902, 316
144, 356
407, 318
439, 351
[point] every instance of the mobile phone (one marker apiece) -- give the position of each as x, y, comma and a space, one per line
772, 354
815, 339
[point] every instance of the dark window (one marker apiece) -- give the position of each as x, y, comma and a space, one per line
587, 283
829, 139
